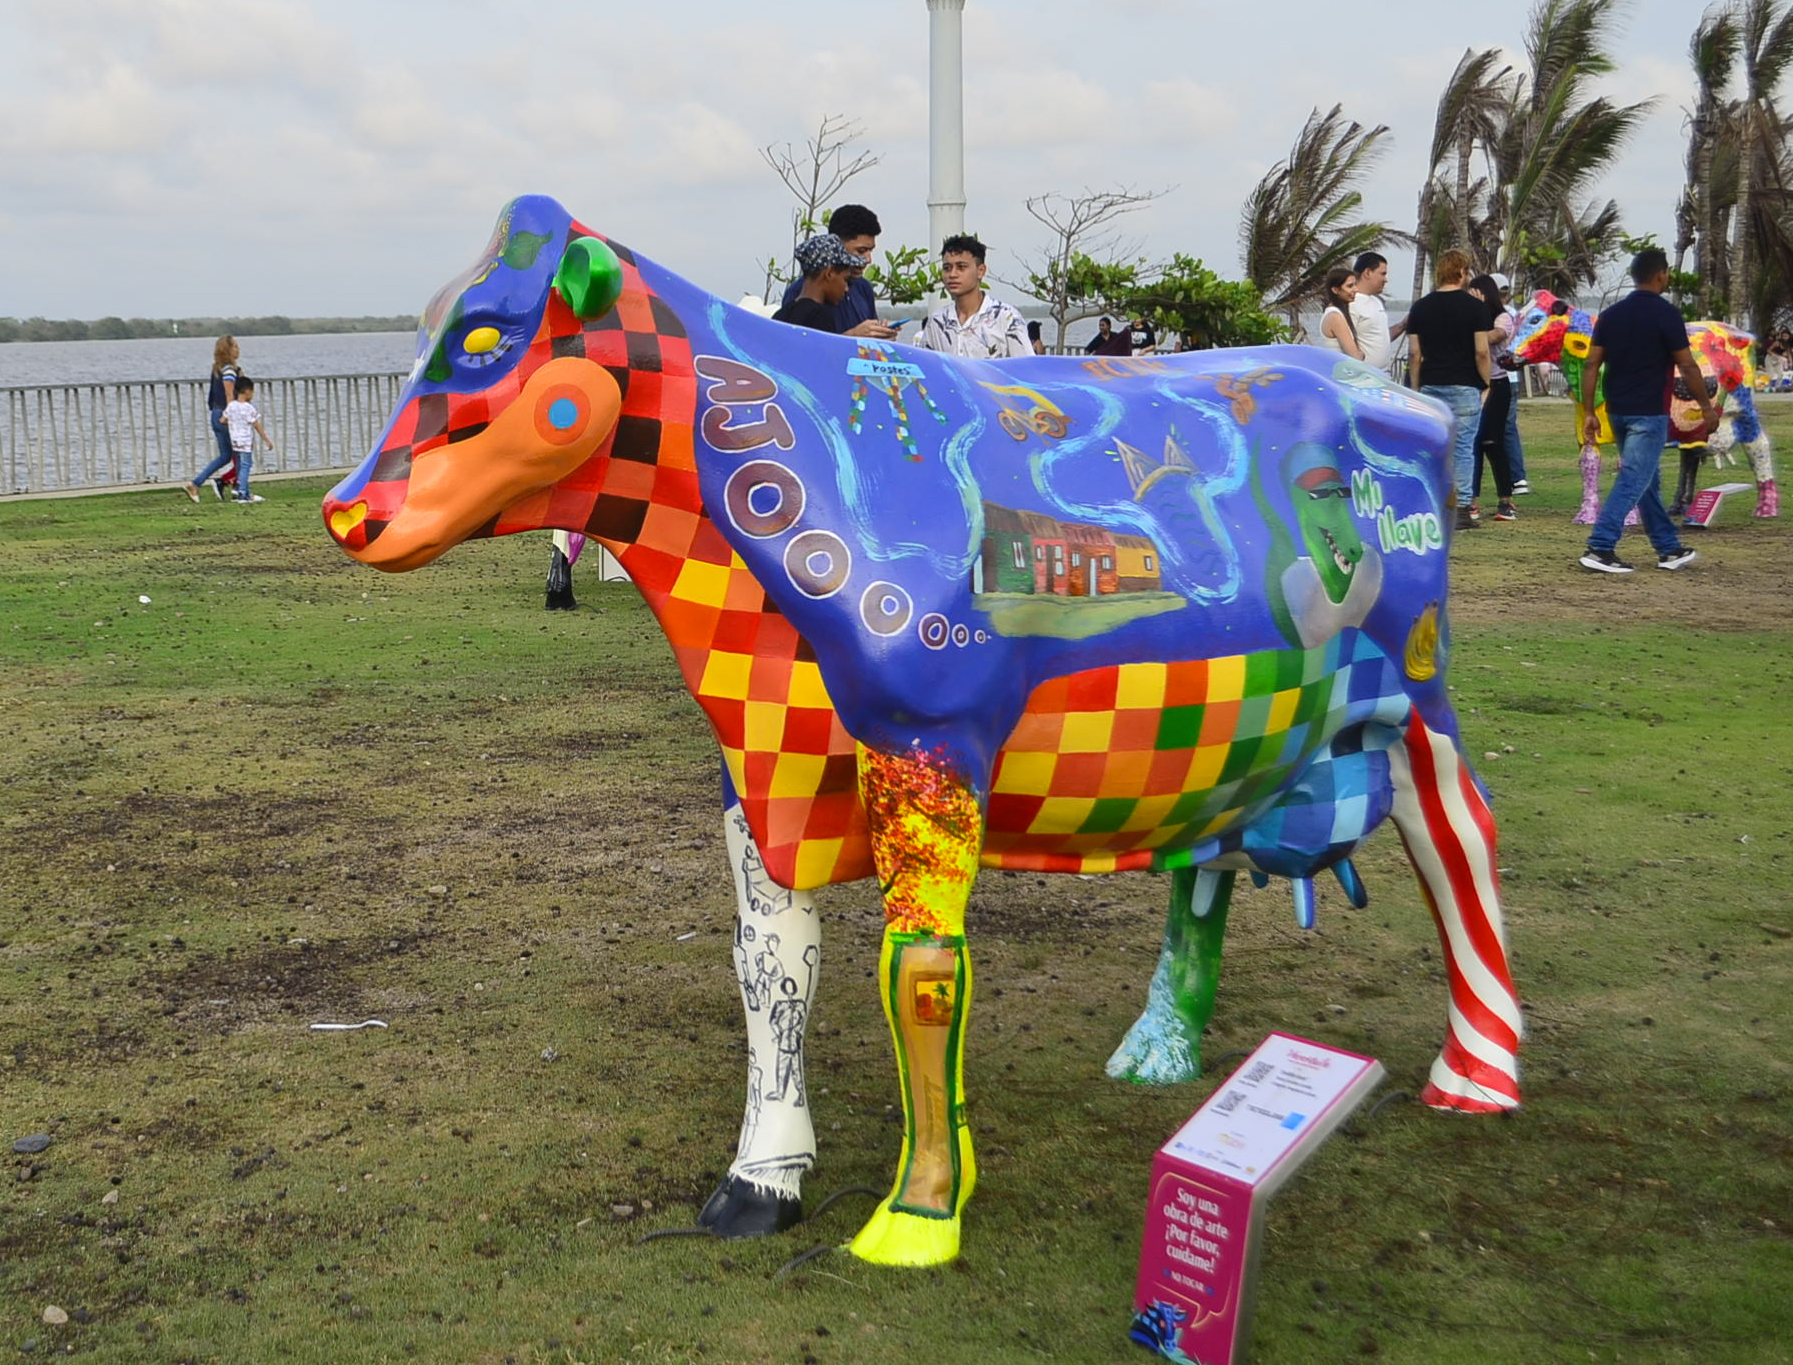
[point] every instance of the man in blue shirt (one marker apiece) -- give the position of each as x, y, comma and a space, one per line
1640, 341
857, 314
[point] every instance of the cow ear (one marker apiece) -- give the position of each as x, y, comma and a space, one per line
590, 278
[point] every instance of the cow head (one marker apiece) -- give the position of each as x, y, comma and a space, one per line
503, 404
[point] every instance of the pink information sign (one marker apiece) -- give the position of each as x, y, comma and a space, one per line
1703, 510
1212, 1181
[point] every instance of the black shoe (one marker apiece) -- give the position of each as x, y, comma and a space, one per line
1466, 520
1505, 512
1676, 559
1603, 561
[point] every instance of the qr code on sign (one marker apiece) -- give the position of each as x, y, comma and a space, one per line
1258, 1072
1229, 1101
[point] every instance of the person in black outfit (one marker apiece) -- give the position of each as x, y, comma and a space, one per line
1641, 341
1491, 433
827, 270
1447, 339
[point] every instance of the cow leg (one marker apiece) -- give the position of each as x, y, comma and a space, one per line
926, 829
560, 575
778, 947
1449, 833
1689, 482
1164, 1045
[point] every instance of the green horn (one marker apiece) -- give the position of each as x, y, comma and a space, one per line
590, 277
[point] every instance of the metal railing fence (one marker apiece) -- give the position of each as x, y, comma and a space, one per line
67, 437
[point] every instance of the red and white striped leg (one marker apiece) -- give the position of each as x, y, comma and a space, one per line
1449, 832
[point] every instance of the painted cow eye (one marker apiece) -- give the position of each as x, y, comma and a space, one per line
481, 339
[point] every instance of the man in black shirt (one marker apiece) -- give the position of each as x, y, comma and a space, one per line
827, 270
1447, 336
1141, 338
1640, 341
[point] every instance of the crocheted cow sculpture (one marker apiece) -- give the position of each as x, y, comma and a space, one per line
1554, 332
1183, 615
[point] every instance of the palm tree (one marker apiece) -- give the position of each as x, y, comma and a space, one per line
1469, 114
1713, 52
1555, 140
1765, 50
1300, 221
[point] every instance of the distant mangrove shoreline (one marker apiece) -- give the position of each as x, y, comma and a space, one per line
127, 329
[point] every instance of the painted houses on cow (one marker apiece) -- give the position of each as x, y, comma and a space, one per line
1029, 552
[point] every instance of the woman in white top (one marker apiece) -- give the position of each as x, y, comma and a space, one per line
1337, 331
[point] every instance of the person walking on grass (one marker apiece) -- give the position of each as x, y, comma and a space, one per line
219, 395
1640, 342
1447, 337
245, 425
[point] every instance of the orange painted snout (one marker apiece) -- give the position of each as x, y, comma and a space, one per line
565, 412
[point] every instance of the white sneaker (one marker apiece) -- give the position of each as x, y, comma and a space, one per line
253, 497
1521, 487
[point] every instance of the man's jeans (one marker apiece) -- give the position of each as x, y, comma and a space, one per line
1639, 485
1515, 451
1465, 404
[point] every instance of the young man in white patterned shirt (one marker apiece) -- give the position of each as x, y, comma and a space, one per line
972, 323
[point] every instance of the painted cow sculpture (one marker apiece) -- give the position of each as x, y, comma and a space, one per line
1557, 333
1192, 623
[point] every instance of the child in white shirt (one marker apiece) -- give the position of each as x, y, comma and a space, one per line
244, 422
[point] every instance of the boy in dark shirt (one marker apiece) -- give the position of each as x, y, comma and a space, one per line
827, 270
1447, 333
1640, 341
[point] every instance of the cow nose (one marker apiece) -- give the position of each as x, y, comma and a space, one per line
344, 517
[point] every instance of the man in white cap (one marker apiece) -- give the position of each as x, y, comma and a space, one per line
1515, 451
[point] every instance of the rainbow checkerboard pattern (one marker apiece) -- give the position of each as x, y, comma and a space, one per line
1112, 769
1134, 766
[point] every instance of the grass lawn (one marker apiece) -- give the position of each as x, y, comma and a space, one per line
286, 789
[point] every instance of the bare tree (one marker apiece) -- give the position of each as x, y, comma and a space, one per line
1071, 275
815, 175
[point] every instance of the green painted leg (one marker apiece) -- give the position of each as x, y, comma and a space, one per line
1165, 1043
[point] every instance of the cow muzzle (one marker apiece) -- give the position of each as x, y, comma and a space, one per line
565, 412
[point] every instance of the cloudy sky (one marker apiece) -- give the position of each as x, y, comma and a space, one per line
323, 157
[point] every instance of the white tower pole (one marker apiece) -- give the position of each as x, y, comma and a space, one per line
946, 121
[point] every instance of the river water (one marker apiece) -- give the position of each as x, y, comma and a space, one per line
276, 357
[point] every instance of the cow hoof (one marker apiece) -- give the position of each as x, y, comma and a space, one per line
737, 1209
1154, 1055
894, 1238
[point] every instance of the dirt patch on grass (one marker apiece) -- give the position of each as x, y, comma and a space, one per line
226, 993
1527, 571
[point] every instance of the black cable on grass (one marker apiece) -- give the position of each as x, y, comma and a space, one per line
674, 1232
1354, 1129
828, 1203
797, 1261
1387, 1099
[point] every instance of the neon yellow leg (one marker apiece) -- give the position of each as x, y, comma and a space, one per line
926, 829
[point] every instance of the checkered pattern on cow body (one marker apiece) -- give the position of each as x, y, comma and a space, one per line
1144, 765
